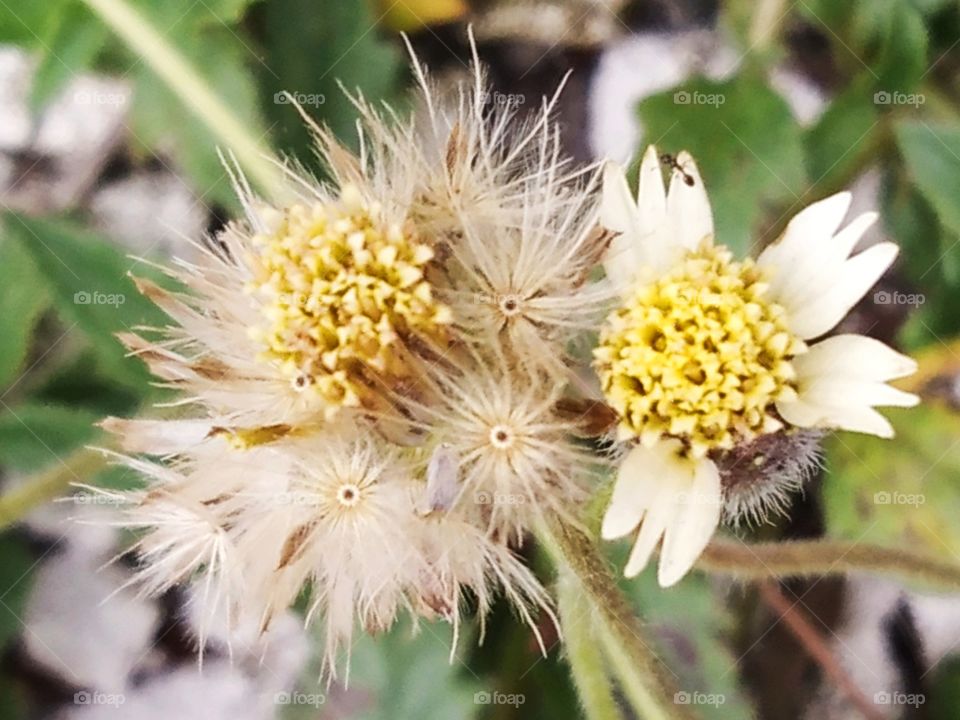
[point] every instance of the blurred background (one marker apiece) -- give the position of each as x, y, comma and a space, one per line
781, 102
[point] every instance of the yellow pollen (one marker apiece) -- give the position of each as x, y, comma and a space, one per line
340, 290
700, 355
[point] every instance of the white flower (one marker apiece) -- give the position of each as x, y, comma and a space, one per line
706, 353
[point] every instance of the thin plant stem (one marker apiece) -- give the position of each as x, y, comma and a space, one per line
49, 485
806, 558
621, 635
584, 655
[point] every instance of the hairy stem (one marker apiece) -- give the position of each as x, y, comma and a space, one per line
826, 557
184, 80
583, 653
48, 485
621, 635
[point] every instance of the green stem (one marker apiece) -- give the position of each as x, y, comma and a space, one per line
170, 65
621, 634
826, 557
583, 654
49, 485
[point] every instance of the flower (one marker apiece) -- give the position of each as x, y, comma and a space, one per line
706, 354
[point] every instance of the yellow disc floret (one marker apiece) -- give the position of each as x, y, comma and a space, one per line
340, 290
700, 355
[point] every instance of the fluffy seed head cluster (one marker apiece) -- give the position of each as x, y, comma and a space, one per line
340, 288
370, 377
700, 354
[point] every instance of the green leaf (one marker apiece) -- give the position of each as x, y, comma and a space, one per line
843, 133
16, 564
694, 644
160, 120
23, 298
396, 675
72, 43
34, 436
745, 141
932, 157
329, 41
902, 492
90, 289
27, 23
903, 59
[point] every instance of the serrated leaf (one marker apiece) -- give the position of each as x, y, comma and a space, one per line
90, 289
23, 298
903, 492
745, 141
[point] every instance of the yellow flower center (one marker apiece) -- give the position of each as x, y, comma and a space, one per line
700, 355
340, 289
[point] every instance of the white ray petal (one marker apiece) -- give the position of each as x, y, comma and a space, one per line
853, 356
688, 206
794, 254
859, 274
695, 520
618, 212
633, 493
854, 418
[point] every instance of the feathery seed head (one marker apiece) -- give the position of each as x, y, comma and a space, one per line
340, 290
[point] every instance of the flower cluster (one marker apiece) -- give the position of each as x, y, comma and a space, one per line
382, 388
371, 378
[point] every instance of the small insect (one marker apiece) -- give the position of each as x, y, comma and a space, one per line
674, 164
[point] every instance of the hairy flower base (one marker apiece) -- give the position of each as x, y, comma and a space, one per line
700, 354
340, 288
